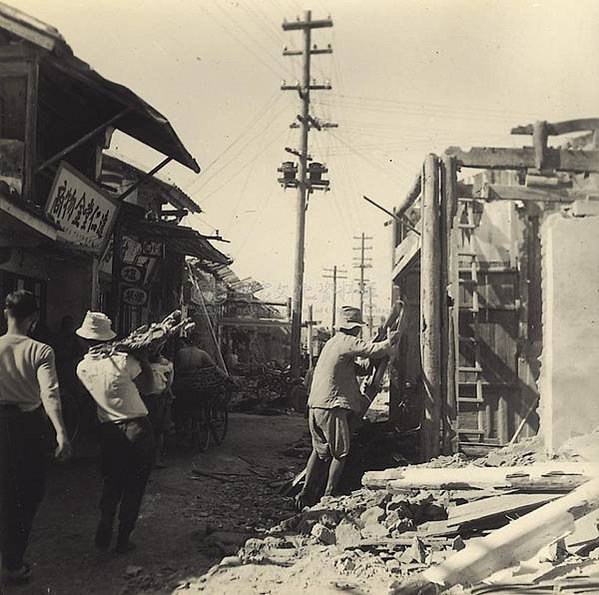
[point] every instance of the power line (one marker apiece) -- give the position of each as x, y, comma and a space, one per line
257, 117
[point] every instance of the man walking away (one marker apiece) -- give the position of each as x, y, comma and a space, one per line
336, 403
126, 437
28, 386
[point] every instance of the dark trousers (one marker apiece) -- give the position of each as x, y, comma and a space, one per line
127, 458
22, 479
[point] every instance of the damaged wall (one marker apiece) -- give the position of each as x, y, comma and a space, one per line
569, 394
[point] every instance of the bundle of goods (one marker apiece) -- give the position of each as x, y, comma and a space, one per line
147, 337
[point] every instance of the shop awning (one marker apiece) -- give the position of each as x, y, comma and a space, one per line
174, 195
180, 240
24, 224
142, 122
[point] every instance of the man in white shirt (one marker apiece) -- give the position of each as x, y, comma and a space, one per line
28, 386
126, 437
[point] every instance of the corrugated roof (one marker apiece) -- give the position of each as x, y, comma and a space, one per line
143, 122
180, 239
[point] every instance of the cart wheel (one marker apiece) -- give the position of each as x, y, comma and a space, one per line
219, 420
200, 430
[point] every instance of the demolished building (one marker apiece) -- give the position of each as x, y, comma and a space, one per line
494, 254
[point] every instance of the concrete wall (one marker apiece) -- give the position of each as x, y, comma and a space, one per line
569, 373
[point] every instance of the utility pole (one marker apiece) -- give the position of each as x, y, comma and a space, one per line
310, 178
362, 264
311, 323
335, 276
370, 320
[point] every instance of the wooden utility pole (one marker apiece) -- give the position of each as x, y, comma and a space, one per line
362, 264
303, 185
311, 323
430, 309
335, 276
370, 320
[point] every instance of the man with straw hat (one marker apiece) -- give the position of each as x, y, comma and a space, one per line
126, 437
336, 402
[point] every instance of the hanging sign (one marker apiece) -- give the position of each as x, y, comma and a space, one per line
133, 275
152, 248
135, 296
84, 211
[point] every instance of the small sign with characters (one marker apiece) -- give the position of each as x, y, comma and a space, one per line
84, 211
131, 274
152, 248
134, 296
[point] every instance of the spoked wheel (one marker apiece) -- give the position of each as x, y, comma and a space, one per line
219, 420
200, 430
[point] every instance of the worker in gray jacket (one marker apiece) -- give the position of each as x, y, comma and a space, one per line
336, 403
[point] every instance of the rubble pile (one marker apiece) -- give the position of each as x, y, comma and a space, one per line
386, 536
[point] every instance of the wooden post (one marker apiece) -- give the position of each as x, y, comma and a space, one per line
430, 309
95, 289
311, 335
115, 290
449, 297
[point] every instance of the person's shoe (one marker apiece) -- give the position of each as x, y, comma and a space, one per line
17, 577
103, 535
124, 546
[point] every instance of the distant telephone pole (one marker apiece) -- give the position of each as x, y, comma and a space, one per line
310, 177
335, 276
362, 263
370, 319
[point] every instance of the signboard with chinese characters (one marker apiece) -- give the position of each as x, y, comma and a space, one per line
84, 211
133, 275
152, 248
134, 296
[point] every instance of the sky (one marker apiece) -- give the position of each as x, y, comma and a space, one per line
408, 78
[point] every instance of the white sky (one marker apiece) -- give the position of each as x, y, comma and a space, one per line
409, 77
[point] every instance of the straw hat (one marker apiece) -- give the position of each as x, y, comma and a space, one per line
349, 318
96, 326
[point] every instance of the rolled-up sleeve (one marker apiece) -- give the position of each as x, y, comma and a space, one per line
373, 350
47, 377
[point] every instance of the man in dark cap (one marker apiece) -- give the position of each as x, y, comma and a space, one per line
335, 402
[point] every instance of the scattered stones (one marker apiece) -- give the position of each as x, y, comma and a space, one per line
323, 534
347, 534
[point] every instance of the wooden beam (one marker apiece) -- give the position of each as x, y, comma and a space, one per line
520, 540
550, 476
449, 289
527, 194
564, 127
571, 160
430, 309
405, 253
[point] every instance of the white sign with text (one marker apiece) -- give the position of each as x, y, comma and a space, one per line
84, 211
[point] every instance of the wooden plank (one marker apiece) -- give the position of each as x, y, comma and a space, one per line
517, 541
543, 474
558, 128
489, 508
526, 194
572, 160
405, 253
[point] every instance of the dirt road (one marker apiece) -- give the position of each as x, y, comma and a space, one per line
177, 514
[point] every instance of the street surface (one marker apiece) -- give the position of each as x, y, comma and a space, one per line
186, 524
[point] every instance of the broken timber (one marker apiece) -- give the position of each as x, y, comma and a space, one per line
540, 477
572, 160
520, 540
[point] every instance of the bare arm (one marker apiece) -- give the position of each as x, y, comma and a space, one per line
145, 379
50, 396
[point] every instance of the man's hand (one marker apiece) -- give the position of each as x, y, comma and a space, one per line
63, 451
